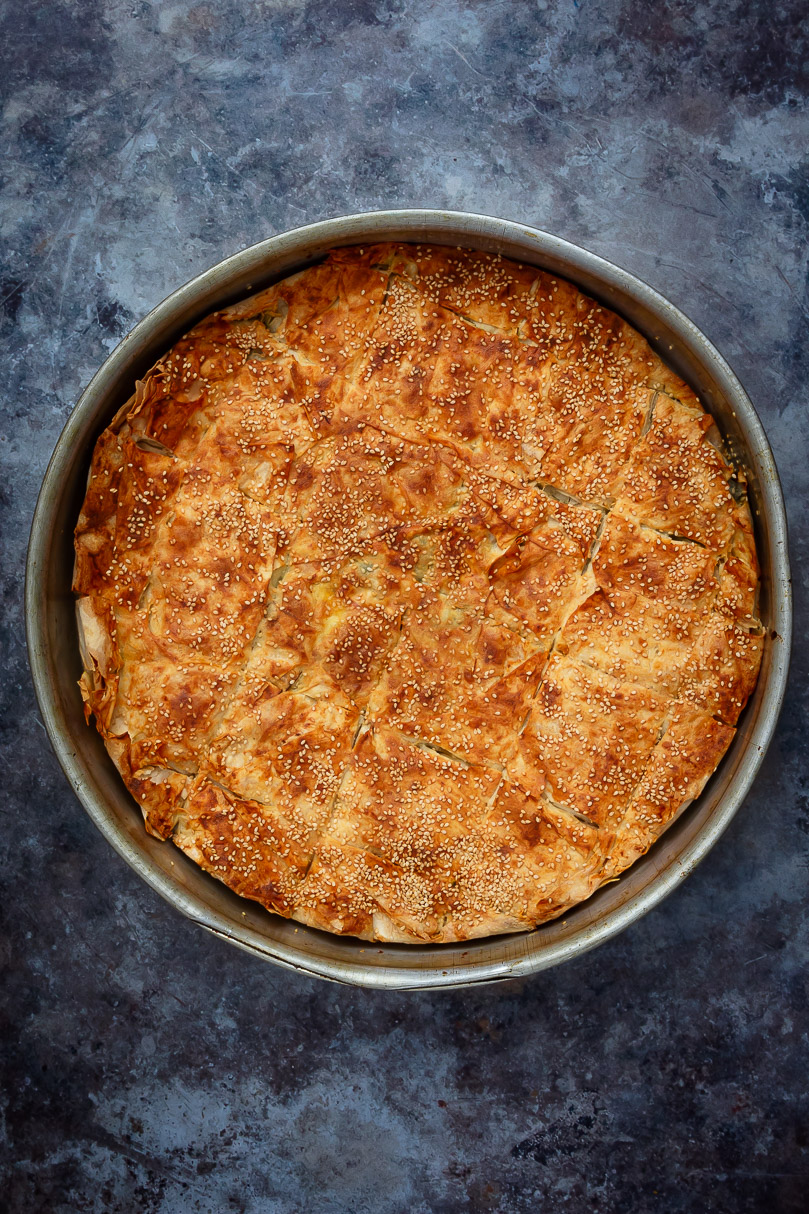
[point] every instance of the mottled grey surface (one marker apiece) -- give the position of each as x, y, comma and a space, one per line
150, 1067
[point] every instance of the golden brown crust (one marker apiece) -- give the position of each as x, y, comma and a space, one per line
415, 597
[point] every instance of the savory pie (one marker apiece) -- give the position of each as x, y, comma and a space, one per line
416, 595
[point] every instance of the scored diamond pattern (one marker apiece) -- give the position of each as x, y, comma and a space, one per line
415, 595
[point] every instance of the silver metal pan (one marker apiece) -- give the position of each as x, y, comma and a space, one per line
54, 650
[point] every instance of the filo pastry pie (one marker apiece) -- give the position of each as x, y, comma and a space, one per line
416, 595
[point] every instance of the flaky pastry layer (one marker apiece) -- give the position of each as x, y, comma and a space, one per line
416, 596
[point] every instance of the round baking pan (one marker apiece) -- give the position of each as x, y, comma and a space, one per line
54, 652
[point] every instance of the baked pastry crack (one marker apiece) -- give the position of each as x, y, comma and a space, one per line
416, 595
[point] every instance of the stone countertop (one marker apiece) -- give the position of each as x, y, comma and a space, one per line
150, 1067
